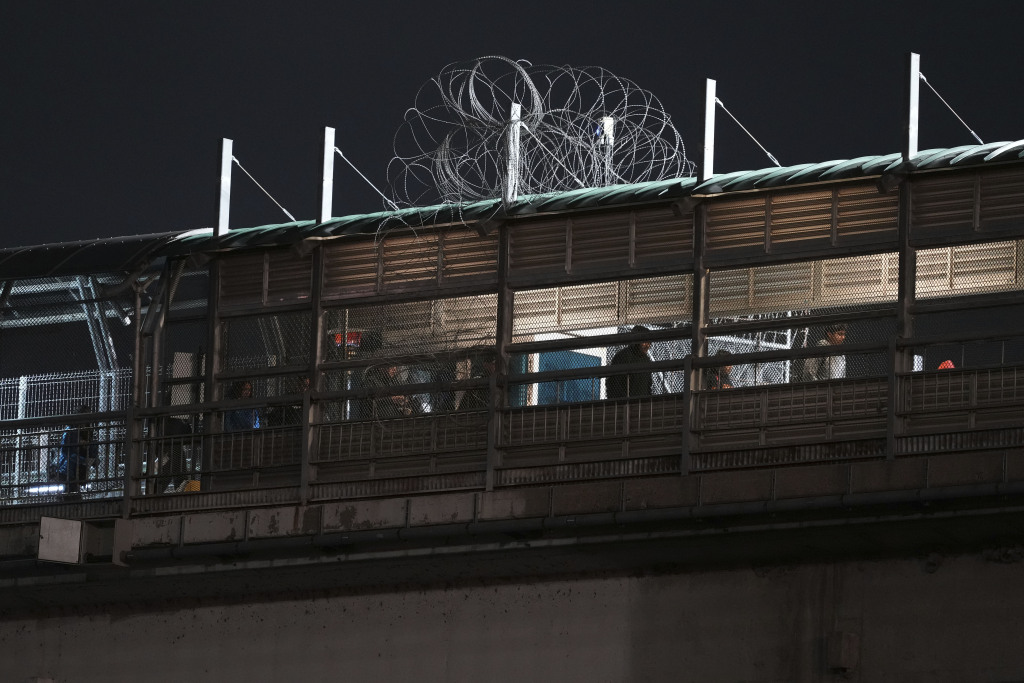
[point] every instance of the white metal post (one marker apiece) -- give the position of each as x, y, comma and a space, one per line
707, 162
225, 186
910, 128
327, 186
512, 179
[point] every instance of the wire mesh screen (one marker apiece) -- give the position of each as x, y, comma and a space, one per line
80, 461
800, 334
969, 269
982, 353
184, 346
33, 396
593, 371
430, 342
265, 341
820, 286
574, 313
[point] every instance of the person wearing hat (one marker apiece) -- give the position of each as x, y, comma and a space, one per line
636, 383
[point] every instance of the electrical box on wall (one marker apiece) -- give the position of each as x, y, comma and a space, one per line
60, 540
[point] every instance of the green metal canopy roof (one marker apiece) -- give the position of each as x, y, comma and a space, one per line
128, 254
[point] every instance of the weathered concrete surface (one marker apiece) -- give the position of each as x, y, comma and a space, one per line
934, 618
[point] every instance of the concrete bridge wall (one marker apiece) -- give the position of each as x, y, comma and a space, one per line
928, 618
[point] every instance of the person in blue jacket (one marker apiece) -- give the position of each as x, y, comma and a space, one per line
78, 451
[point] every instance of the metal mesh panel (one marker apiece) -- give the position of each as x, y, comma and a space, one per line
796, 336
184, 350
969, 269
592, 372
821, 285
172, 454
45, 464
573, 313
266, 341
412, 328
579, 308
31, 396
985, 353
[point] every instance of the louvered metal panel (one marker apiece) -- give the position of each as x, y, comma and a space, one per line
662, 238
593, 305
410, 262
942, 204
468, 320
265, 277
469, 258
968, 269
242, 279
599, 242
350, 269
855, 280
862, 213
801, 219
537, 248
744, 291
288, 277
828, 283
603, 304
736, 223
659, 299
1002, 199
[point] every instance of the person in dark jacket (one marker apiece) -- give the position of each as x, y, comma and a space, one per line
482, 367
719, 378
385, 407
241, 419
77, 453
637, 383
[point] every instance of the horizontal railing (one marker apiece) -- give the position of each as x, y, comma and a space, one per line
764, 426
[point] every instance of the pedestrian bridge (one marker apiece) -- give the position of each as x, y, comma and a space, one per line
495, 329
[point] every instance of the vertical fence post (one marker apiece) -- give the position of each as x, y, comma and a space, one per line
499, 387
684, 461
310, 410
133, 431
699, 316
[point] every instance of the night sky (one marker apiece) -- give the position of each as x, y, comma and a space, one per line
113, 112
